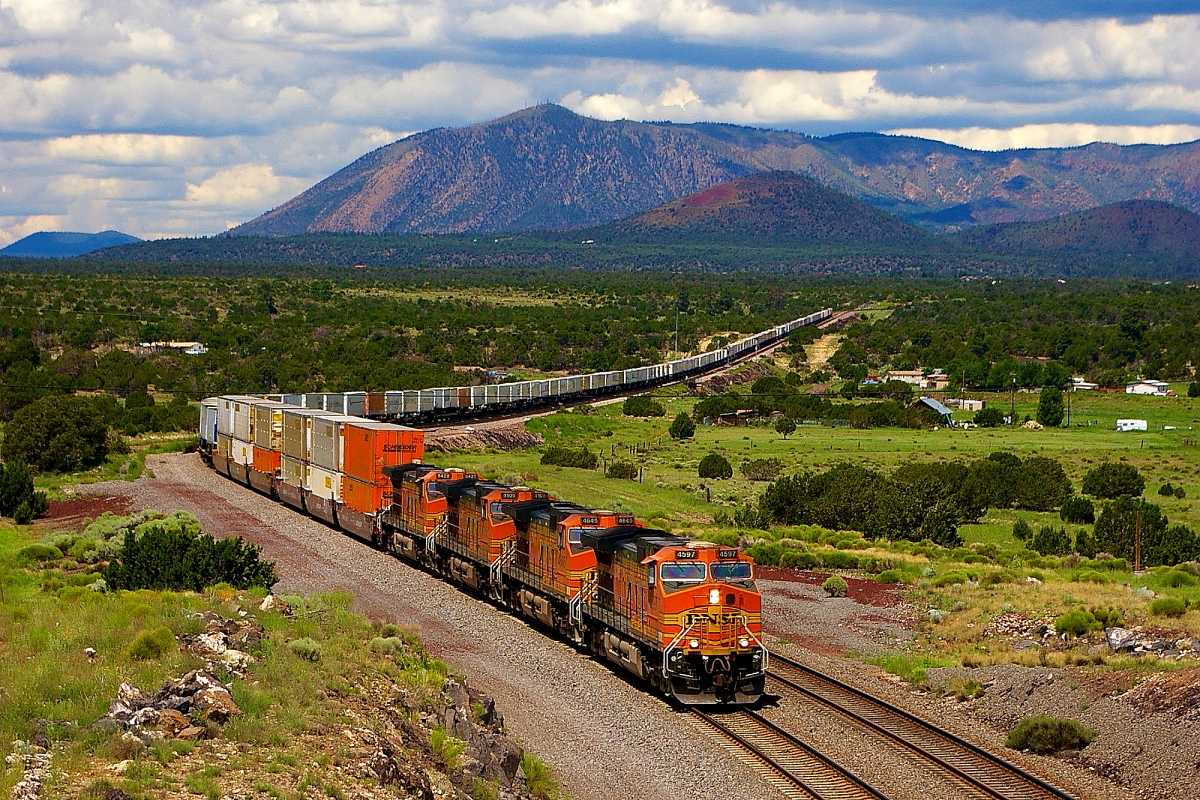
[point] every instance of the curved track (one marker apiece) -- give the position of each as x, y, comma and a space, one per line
797, 769
984, 774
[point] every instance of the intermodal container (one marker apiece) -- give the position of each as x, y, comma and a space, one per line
368, 447
326, 440
241, 452
208, 420
266, 460
365, 498
224, 444
291, 471
324, 483
374, 403
267, 424
297, 431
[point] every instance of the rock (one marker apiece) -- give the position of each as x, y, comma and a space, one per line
458, 694
171, 722
1030, 580
191, 733
1120, 639
116, 794
120, 766
216, 704
390, 771
1025, 644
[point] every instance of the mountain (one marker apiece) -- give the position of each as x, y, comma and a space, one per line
1130, 228
765, 209
64, 244
548, 168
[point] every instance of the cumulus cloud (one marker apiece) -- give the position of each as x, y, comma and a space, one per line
165, 117
1055, 135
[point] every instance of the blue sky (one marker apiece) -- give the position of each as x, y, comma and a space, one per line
184, 117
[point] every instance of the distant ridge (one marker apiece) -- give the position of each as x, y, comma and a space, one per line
765, 209
1132, 227
547, 168
65, 244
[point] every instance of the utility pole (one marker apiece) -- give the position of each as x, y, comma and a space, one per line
677, 332
1069, 386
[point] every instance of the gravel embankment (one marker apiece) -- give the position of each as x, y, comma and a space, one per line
606, 737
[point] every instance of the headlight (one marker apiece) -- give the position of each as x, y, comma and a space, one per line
743, 642
693, 643
714, 596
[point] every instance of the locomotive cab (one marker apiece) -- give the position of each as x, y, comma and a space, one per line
712, 621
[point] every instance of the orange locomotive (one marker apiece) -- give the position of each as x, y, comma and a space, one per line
685, 616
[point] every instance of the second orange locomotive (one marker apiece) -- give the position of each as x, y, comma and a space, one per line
684, 615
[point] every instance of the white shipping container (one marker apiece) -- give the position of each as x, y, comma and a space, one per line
241, 452
323, 482
209, 412
326, 443
292, 471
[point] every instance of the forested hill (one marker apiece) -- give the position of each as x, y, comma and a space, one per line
548, 168
64, 244
1134, 227
767, 208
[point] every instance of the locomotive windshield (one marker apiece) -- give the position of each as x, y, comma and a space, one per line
729, 571
682, 571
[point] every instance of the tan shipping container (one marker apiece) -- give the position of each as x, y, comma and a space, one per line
323, 483
291, 471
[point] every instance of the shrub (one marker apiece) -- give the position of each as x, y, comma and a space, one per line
1194, 389
1090, 576
762, 469
622, 470
836, 559
1021, 531
1042, 734
643, 406
539, 780
1051, 541
1166, 490
62, 433
989, 418
890, 576
1107, 616
171, 553
950, 578
445, 747
715, 465
306, 648
1078, 511
682, 427
1077, 623
1168, 607
1180, 492
152, 644
798, 559
18, 499
39, 552
388, 645
835, 586
566, 457
1175, 578
1112, 480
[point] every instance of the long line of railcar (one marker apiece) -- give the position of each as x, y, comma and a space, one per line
422, 406
683, 615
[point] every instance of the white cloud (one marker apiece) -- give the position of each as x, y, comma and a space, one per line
471, 87
243, 187
1062, 134
127, 148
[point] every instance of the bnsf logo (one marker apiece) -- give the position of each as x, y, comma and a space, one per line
712, 619
398, 448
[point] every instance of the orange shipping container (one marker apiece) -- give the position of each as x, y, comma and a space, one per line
266, 460
368, 447
365, 497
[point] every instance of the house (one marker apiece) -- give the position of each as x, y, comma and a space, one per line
911, 376
1080, 385
933, 405
1155, 388
1131, 425
965, 404
936, 382
187, 348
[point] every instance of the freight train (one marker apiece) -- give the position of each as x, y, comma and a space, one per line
419, 406
683, 615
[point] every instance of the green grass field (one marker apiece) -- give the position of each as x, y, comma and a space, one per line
671, 489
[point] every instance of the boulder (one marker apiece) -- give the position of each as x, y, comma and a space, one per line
215, 704
171, 722
191, 733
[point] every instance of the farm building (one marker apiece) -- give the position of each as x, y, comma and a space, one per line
1155, 388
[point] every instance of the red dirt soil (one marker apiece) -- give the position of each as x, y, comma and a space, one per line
869, 593
78, 512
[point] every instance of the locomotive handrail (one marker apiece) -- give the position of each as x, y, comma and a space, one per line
438, 530
575, 604
679, 637
766, 659
508, 552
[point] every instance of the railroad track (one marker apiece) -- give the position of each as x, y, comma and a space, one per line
985, 775
796, 769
